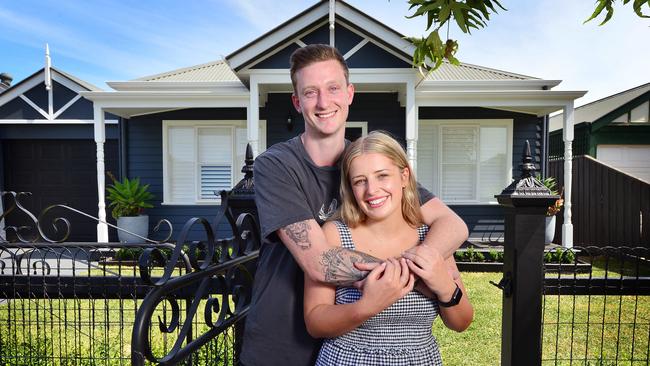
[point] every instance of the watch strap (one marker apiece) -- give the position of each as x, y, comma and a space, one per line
455, 298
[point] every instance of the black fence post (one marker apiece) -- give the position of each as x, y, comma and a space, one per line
241, 199
525, 202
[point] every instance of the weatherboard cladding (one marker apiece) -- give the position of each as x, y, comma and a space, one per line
390, 117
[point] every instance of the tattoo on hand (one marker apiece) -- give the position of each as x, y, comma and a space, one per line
299, 233
339, 268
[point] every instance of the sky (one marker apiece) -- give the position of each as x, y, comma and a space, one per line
117, 40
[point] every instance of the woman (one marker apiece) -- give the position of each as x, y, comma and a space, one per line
389, 324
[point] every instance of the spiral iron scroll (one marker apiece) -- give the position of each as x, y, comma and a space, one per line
221, 276
61, 225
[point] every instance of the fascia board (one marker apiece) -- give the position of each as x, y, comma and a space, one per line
165, 99
430, 85
18, 90
505, 98
230, 86
276, 36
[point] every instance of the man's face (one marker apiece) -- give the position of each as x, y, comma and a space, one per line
323, 97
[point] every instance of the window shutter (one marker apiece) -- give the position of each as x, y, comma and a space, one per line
215, 149
427, 156
181, 164
459, 159
493, 164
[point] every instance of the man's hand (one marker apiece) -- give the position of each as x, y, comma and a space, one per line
387, 283
430, 266
365, 268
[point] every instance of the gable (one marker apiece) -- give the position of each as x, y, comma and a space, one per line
29, 100
609, 118
360, 50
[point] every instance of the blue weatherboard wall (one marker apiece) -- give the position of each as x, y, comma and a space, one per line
145, 160
389, 117
486, 221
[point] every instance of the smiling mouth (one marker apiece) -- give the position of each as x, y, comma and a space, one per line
326, 115
377, 202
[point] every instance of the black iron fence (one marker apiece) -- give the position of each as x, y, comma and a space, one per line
598, 316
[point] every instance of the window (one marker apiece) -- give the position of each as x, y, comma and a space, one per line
465, 161
203, 157
639, 114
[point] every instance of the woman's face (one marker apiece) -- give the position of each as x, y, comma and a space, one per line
377, 185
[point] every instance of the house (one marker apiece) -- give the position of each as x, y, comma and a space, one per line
48, 147
614, 130
184, 131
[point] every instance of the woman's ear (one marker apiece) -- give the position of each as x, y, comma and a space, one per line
406, 173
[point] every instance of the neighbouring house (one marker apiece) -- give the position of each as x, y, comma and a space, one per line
464, 128
615, 130
48, 148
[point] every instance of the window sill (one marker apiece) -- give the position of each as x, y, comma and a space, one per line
197, 203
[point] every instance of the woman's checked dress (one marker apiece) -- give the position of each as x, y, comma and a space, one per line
399, 335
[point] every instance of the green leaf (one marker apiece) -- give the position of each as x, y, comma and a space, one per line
460, 19
598, 10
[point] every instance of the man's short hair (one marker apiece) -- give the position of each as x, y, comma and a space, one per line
305, 56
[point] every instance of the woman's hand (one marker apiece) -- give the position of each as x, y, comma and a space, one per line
429, 265
386, 284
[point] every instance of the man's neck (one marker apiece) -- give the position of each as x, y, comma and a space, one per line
324, 151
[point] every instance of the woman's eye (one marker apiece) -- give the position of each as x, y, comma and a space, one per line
358, 182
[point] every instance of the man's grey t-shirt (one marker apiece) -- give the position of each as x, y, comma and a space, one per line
289, 188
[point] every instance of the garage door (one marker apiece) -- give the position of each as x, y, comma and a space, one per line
632, 159
61, 171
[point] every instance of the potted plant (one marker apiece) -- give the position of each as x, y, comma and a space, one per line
128, 200
551, 184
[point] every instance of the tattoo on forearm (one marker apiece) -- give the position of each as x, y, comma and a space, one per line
299, 233
338, 265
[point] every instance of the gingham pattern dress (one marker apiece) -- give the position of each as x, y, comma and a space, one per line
399, 335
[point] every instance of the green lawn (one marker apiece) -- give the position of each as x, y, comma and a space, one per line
591, 330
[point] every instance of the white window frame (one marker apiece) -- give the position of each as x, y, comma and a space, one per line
358, 124
438, 123
197, 124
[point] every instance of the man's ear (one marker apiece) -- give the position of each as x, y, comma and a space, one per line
350, 89
296, 102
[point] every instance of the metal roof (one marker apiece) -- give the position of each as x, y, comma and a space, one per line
464, 71
211, 71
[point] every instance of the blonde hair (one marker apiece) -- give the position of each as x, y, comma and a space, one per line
305, 56
381, 143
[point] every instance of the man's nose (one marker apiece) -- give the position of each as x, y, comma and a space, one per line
323, 100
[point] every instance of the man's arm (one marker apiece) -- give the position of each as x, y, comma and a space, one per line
319, 260
447, 231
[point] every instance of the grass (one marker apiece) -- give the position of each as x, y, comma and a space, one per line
591, 330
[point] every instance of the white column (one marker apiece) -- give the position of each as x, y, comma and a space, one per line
567, 135
411, 126
332, 17
253, 122
100, 138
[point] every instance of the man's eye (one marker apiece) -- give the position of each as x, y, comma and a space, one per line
310, 93
334, 89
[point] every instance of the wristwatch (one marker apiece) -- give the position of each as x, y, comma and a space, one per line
455, 298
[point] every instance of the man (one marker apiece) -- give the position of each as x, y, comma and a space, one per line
296, 190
